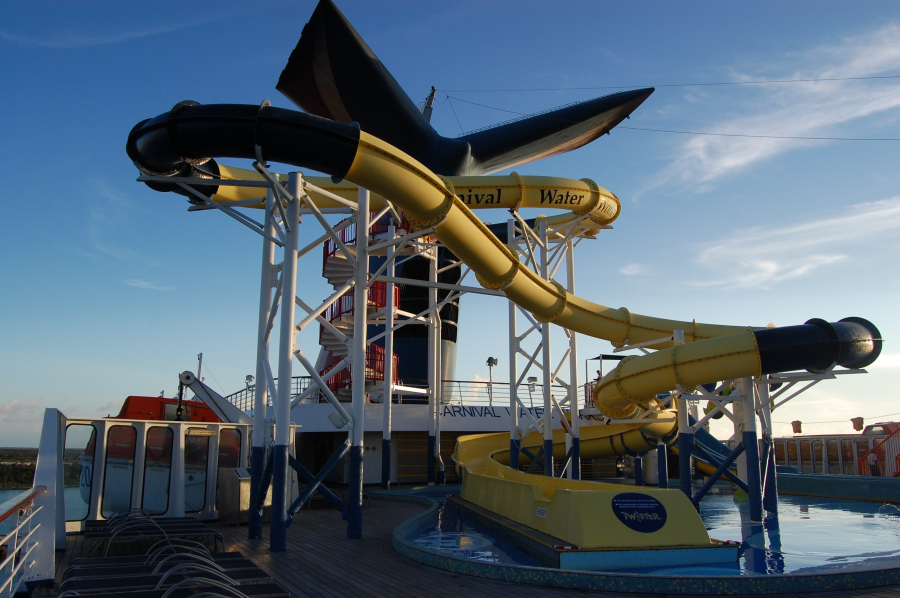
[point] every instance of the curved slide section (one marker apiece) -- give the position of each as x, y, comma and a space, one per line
182, 142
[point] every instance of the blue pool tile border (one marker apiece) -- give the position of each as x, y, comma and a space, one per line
612, 582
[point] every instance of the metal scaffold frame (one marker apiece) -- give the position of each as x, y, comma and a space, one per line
281, 227
544, 249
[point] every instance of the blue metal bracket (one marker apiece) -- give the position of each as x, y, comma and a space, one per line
535, 459
567, 461
723, 468
325, 491
316, 482
701, 452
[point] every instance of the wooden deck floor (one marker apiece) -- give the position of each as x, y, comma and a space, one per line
321, 561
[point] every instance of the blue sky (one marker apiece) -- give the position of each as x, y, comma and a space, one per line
111, 289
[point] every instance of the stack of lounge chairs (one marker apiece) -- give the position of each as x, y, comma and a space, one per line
179, 564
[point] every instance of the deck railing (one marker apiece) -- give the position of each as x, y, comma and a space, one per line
17, 545
244, 398
456, 392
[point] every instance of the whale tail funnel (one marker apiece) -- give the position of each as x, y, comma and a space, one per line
333, 73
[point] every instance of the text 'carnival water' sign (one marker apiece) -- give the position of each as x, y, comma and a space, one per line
640, 512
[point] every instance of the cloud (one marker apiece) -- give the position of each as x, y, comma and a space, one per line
69, 40
21, 411
799, 109
146, 284
109, 212
634, 270
887, 361
763, 256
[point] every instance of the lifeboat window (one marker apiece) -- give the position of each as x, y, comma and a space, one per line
196, 458
806, 465
833, 455
157, 470
229, 448
78, 467
792, 458
862, 447
847, 462
779, 452
118, 471
818, 447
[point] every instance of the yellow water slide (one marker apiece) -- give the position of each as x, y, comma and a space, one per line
582, 513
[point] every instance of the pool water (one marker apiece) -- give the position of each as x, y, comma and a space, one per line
809, 535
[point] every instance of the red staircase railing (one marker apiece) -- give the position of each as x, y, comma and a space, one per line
375, 355
348, 235
862, 463
376, 295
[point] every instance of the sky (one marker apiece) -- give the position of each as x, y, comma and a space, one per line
111, 289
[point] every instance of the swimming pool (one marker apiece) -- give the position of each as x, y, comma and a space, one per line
810, 535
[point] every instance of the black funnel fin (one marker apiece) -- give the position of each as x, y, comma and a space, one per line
334, 74
550, 133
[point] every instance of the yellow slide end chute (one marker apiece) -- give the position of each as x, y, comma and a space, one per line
582, 197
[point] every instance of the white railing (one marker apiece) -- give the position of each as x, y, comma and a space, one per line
17, 545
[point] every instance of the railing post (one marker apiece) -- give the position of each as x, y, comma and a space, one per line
358, 351
770, 489
685, 446
280, 487
388, 367
574, 411
46, 473
437, 369
261, 392
751, 450
662, 465
545, 359
513, 368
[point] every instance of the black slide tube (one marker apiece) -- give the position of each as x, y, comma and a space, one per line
182, 141
818, 345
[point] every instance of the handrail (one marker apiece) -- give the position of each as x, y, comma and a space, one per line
19, 547
862, 461
9, 509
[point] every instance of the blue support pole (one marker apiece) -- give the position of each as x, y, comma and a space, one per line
662, 464
279, 522
514, 453
548, 457
638, 471
257, 465
751, 446
685, 446
770, 494
576, 458
385, 463
282, 403
261, 390
358, 353
354, 500
431, 462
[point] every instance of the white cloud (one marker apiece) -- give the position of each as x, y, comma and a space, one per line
887, 361
70, 40
763, 256
146, 284
109, 213
634, 270
799, 109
